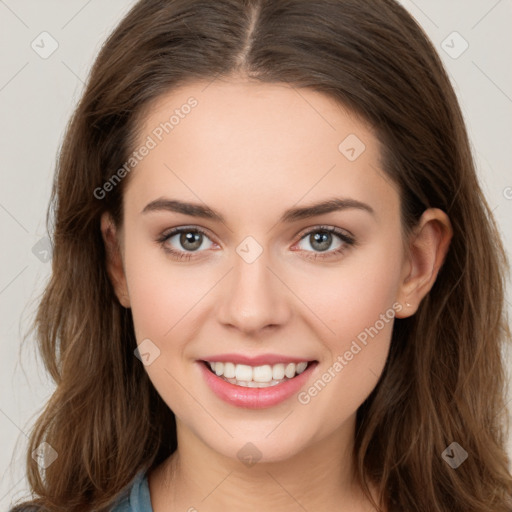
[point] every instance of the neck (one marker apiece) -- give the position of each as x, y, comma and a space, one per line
320, 477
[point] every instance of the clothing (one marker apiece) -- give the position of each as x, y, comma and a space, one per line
137, 498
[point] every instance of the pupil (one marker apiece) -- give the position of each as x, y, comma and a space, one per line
323, 238
191, 238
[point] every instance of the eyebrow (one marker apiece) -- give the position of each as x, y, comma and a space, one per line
290, 215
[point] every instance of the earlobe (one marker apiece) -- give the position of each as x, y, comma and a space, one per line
428, 247
114, 260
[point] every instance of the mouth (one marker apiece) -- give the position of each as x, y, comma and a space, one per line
256, 387
263, 376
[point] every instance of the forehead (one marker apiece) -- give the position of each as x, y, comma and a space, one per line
256, 144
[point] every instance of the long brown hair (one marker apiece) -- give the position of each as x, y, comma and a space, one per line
444, 379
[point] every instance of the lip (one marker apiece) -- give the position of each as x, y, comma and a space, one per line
260, 360
255, 398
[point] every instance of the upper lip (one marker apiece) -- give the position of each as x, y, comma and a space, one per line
260, 360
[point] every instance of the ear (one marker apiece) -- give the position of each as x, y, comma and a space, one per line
427, 250
115, 269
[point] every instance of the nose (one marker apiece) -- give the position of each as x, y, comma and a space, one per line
253, 298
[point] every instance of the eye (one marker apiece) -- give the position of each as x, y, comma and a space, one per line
322, 238
190, 240
186, 242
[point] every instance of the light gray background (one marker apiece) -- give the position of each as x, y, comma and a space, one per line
38, 95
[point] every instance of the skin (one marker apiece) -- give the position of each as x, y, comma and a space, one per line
250, 151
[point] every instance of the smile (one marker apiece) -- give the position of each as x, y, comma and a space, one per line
257, 376
254, 387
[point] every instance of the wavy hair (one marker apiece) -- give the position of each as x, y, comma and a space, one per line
444, 379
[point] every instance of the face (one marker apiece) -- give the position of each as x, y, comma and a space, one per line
264, 274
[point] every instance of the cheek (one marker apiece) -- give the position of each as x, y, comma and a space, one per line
162, 299
162, 295
357, 301
352, 295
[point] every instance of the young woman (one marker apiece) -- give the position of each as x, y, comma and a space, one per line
276, 282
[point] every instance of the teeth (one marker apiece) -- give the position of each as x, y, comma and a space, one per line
250, 376
242, 372
229, 370
289, 371
219, 369
301, 367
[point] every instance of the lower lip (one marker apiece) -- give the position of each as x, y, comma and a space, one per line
255, 398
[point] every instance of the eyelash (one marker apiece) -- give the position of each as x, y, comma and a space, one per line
347, 240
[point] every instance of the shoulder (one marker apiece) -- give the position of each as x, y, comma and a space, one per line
137, 498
